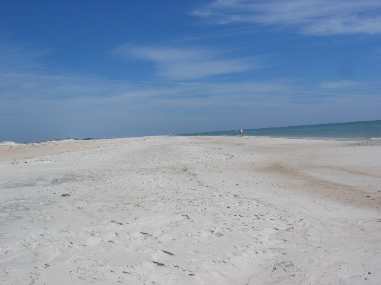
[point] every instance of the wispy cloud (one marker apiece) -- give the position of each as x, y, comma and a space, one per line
20, 59
339, 84
24, 79
23, 75
187, 63
57, 87
317, 17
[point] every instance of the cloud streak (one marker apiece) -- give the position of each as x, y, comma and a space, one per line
315, 17
20, 59
186, 63
340, 84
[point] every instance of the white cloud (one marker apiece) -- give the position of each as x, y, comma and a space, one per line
56, 87
186, 63
339, 84
318, 17
20, 59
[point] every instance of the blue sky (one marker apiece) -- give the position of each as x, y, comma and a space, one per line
127, 68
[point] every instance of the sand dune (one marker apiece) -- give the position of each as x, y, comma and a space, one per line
191, 210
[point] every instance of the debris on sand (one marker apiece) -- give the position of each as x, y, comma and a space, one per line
158, 263
168, 252
186, 216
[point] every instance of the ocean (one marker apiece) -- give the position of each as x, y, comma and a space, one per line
351, 130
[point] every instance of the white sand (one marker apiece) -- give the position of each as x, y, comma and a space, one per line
183, 210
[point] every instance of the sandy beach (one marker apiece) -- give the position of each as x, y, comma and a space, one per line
191, 210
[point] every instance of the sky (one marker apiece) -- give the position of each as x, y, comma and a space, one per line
132, 68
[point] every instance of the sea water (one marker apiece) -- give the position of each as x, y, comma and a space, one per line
359, 130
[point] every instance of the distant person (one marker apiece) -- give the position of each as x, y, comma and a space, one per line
241, 132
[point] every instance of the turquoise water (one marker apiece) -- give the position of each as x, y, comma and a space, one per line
368, 129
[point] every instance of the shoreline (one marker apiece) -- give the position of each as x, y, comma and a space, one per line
10, 143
